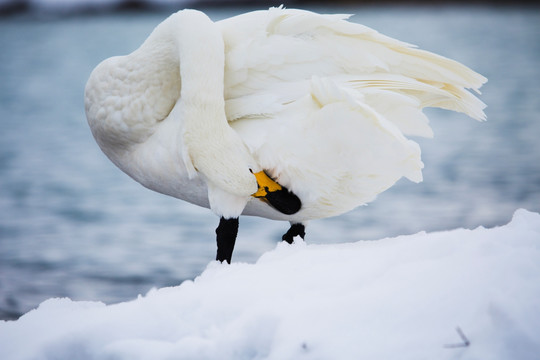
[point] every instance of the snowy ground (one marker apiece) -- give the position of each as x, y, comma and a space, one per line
396, 298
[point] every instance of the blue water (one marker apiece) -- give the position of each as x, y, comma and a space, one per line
71, 224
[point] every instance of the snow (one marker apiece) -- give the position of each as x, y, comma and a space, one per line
395, 298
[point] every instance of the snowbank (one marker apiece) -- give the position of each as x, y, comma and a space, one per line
398, 298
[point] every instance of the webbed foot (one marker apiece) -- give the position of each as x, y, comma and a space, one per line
297, 229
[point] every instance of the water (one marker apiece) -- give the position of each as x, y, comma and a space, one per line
71, 224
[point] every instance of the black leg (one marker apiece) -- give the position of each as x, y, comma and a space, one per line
226, 237
297, 229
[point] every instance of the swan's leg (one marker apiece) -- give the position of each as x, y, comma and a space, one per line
296, 229
276, 195
226, 237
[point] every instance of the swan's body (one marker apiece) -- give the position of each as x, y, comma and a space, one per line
320, 104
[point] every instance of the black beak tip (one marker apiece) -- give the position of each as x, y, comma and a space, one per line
284, 201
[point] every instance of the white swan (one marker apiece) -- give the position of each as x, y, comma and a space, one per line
203, 110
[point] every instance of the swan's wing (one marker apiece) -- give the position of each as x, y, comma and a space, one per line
325, 104
266, 49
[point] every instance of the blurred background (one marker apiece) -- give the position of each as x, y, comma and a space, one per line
72, 224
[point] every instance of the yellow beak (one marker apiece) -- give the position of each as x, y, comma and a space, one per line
266, 185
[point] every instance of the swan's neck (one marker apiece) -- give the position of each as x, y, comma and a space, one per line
174, 81
214, 148
202, 61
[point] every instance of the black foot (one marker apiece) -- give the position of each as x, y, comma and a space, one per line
295, 230
226, 237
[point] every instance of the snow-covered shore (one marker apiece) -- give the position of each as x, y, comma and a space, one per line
396, 298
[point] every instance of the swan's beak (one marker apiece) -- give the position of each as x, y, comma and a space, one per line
276, 195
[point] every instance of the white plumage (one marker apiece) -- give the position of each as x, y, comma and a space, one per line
323, 105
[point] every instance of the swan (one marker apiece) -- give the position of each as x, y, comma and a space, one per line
282, 113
